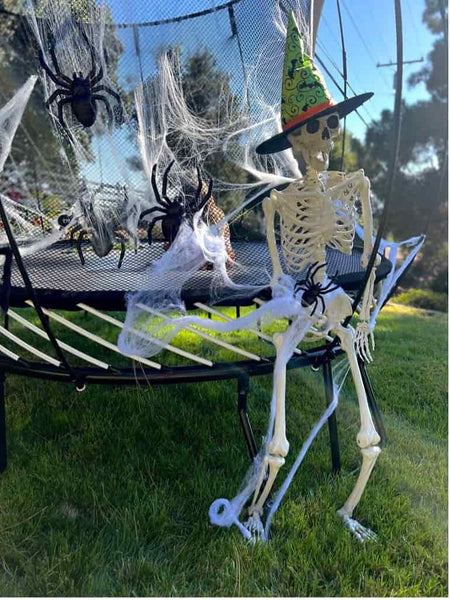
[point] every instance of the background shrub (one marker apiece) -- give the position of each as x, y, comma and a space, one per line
424, 299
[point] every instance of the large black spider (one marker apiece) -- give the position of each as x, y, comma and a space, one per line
80, 92
174, 212
312, 290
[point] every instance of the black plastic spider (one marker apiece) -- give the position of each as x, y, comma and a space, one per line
174, 212
313, 291
81, 92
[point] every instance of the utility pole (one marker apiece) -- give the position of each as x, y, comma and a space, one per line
394, 64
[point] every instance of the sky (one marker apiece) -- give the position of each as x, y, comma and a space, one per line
369, 32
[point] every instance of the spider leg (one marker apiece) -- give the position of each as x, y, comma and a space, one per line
200, 184
155, 189
57, 69
108, 90
323, 303
55, 95
79, 248
122, 247
50, 73
309, 269
207, 196
93, 53
328, 288
122, 253
316, 269
108, 108
148, 211
165, 181
94, 79
73, 232
60, 105
150, 228
314, 307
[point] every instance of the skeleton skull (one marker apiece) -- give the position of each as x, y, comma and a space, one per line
315, 140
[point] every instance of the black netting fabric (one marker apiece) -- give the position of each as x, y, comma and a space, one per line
230, 57
235, 41
61, 281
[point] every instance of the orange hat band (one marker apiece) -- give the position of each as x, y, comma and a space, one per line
309, 113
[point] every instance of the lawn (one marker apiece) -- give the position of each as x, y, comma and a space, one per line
107, 492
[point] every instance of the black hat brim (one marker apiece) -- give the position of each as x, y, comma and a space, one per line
279, 142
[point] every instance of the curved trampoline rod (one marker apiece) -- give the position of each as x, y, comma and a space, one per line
392, 170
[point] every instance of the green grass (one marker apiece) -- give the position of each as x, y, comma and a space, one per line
107, 492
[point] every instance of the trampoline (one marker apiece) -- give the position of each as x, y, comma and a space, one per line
55, 279
61, 281
67, 276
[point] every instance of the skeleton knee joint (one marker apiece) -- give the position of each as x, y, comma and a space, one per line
279, 448
368, 439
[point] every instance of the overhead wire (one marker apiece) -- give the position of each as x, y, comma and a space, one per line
336, 83
364, 43
414, 28
336, 67
344, 75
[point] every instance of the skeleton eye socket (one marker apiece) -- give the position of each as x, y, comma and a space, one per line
313, 126
333, 122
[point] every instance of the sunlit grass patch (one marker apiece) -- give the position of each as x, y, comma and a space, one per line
108, 492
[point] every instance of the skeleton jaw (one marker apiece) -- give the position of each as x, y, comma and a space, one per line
319, 161
315, 147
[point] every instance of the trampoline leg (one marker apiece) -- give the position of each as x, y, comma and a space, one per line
332, 422
3, 452
374, 408
243, 387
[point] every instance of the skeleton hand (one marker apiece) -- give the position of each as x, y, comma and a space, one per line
365, 257
363, 335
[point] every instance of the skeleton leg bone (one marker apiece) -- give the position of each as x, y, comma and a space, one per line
367, 440
277, 450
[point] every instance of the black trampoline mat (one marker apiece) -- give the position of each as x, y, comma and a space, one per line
61, 281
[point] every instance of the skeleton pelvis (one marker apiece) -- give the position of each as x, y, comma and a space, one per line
338, 307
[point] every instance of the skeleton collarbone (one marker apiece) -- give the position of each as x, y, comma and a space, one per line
316, 215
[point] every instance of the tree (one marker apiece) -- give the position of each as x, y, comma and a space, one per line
35, 148
420, 192
207, 93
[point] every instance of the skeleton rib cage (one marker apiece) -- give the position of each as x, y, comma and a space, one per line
320, 219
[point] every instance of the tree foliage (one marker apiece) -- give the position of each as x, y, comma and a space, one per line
35, 148
208, 95
420, 193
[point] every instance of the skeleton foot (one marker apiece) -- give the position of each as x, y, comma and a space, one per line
254, 523
255, 526
362, 534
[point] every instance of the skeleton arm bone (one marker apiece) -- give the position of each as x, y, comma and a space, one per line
269, 208
363, 331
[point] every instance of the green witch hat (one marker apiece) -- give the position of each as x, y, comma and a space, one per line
304, 95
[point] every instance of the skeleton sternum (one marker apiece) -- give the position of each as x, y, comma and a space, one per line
309, 221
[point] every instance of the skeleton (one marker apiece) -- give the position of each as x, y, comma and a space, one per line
318, 212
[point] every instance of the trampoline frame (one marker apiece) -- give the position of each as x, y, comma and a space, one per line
241, 371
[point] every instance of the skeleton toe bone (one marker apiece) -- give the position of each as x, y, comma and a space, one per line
362, 534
